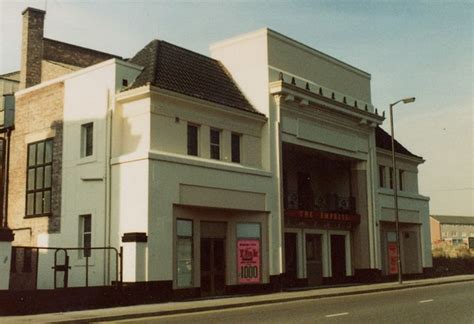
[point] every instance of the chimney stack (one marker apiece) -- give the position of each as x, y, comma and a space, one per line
31, 47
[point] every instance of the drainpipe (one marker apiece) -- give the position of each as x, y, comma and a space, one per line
107, 218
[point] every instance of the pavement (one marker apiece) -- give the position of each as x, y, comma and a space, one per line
221, 303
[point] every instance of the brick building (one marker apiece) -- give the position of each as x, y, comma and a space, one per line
451, 229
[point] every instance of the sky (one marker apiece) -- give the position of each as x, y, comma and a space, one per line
411, 48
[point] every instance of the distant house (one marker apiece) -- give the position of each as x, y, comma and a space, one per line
451, 229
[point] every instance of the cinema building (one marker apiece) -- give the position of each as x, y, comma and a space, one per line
326, 144
236, 173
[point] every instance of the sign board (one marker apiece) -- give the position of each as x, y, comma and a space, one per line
392, 258
322, 216
471, 242
248, 261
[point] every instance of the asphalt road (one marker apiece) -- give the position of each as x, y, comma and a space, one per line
448, 303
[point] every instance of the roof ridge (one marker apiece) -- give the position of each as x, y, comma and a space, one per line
189, 51
155, 63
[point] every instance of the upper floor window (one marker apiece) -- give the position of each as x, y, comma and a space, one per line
192, 140
391, 178
400, 179
215, 137
381, 176
235, 146
39, 178
87, 141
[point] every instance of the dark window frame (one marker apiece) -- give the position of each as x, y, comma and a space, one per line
381, 176
87, 140
400, 179
236, 147
43, 189
215, 147
191, 142
391, 177
82, 219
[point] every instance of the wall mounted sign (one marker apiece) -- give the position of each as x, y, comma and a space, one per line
392, 258
248, 261
323, 216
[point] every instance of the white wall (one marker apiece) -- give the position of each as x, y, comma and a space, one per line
413, 207
88, 97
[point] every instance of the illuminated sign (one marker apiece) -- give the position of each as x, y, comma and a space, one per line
248, 261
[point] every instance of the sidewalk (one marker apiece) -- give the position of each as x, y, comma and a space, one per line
118, 313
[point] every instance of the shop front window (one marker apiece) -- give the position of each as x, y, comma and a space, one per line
249, 253
184, 253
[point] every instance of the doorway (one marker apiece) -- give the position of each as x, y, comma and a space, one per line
213, 258
290, 259
212, 266
314, 264
338, 256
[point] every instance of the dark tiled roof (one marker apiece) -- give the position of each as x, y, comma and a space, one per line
384, 140
173, 68
61, 52
454, 219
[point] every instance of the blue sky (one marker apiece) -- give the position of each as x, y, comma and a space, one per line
422, 49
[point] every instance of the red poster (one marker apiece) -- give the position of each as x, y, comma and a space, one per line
248, 261
392, 258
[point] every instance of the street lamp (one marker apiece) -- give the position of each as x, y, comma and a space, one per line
395, 185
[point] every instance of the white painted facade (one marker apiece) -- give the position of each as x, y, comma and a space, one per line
301, 91
140, 179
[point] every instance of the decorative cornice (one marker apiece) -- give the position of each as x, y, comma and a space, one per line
294, 93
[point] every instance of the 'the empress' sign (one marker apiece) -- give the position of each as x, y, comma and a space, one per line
248, 261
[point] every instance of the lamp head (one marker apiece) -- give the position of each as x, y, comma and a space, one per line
408, 100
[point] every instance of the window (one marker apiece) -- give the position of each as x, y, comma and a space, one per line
235, 146
192, 140
39, 178
248, 230
87, 134
86, 234
215, 144
400, 179
184, 252
381, 176
391, 178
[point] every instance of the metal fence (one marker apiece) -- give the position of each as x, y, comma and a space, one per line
29, 264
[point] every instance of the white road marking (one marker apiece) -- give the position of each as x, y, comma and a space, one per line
338, 314
425, 301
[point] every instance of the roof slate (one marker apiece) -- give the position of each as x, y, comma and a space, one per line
454, 219
384, 140
174, 68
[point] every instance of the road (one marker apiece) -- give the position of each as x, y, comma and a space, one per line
449, 303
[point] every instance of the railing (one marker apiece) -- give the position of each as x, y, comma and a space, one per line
26, 259
330, 202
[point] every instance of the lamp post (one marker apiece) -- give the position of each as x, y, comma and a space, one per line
395, 185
